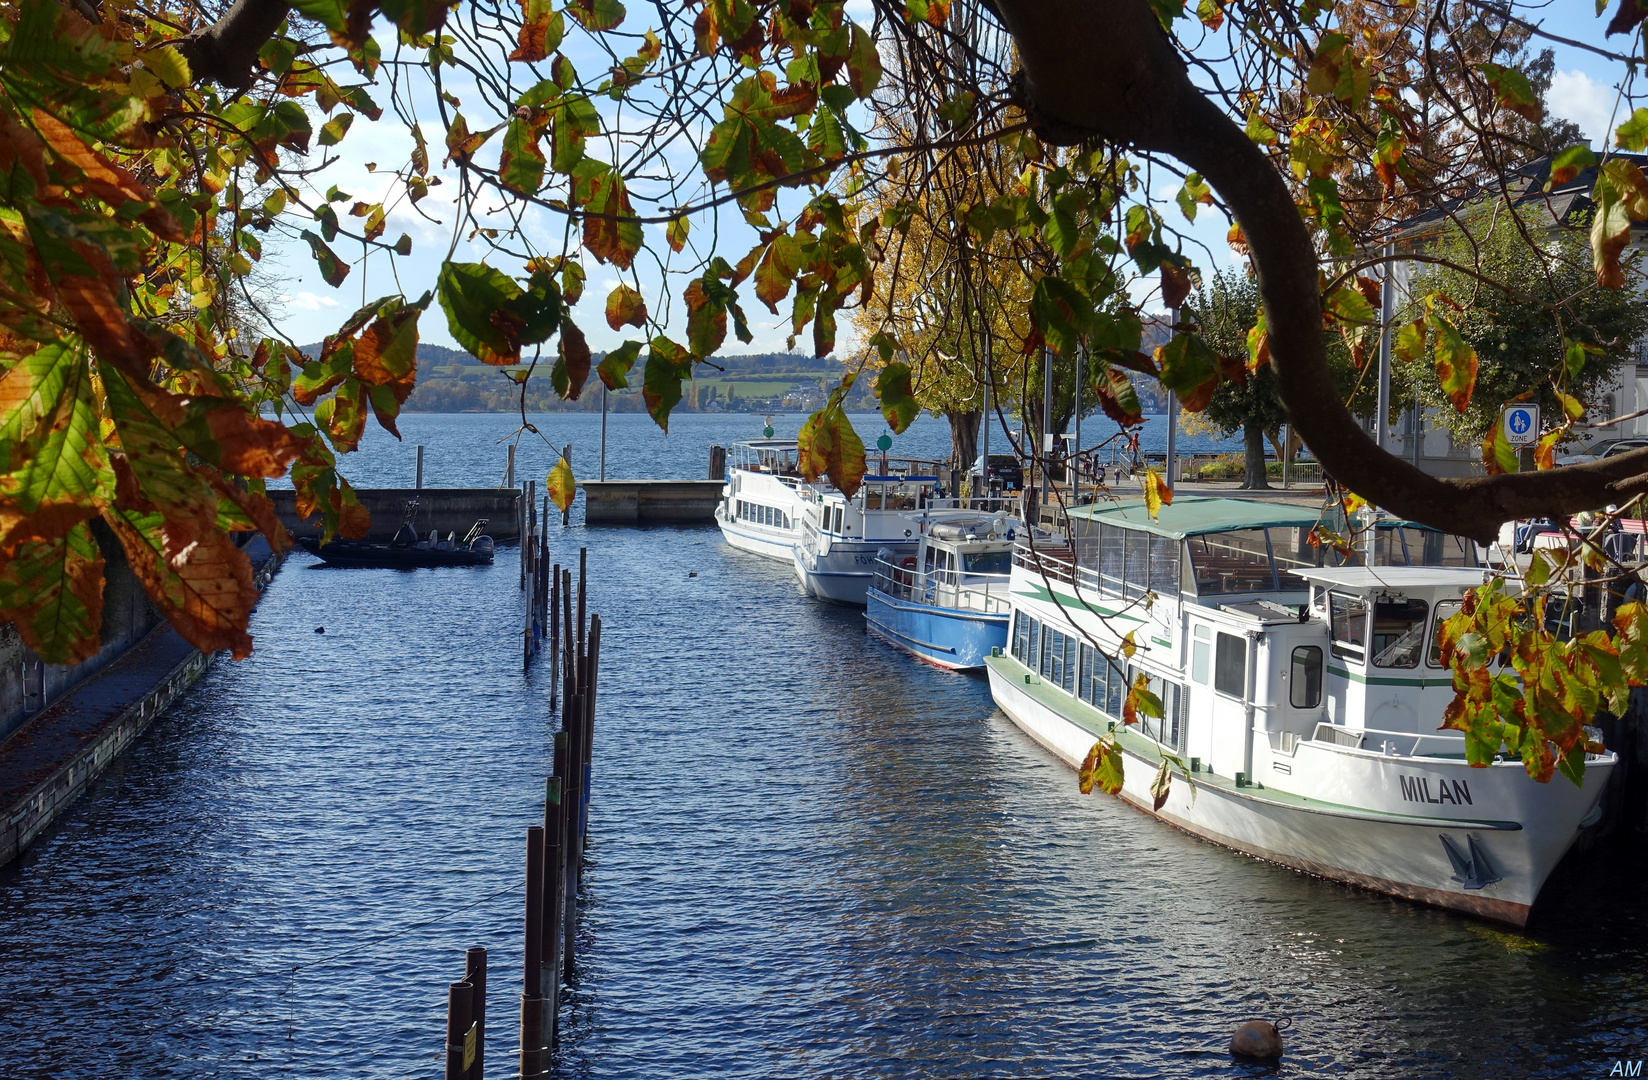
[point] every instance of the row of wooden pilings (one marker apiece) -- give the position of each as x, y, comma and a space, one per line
555, 849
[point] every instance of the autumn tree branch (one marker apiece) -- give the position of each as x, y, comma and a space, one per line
226, 51
1134, 89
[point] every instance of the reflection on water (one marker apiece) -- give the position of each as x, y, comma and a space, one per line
811, 857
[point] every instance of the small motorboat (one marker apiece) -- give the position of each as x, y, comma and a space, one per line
406, 550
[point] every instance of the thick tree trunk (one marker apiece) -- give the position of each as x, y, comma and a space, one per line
1106, 69
964, 428
1253, 446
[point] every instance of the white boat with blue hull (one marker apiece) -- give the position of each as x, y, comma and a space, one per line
760, 508
1302, 702
948, 604
841, 538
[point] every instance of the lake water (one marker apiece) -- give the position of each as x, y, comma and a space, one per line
810, 857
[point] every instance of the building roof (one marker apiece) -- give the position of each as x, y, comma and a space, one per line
1192, 515
1396, 577
1564, 203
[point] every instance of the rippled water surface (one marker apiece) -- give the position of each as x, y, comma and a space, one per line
811, 857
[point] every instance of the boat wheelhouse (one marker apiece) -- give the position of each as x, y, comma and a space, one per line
1301, 701
947, 604
841, 538
760, 508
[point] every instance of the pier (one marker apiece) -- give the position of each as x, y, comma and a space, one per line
442, 509
650, 502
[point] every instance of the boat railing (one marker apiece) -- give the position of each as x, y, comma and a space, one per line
1394, 743
986, 593
1057, 563
983, 504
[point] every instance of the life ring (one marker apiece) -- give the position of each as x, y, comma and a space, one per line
908, 562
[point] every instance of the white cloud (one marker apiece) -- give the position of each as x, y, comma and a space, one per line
1575, 96
308, 301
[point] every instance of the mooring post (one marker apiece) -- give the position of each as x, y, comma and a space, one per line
574, 850
419, 483
583, 579
520, 528
457, 1029
509, 469
475, 976
532, 999
543, 561
549, 970
591, 677
554, 635
569, 665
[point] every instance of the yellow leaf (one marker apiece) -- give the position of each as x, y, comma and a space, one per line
169, 66
560, 486
1129, 646
1545, 451
1570, 406
1354, 502
1156, 493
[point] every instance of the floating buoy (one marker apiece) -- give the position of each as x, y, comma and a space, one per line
320, 629
1260, 1038
692, 573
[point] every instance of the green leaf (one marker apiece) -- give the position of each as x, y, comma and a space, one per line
1102, 768
1568, 164
332, 132
676, 233
1189, 369
667, 364
898, 402
169, 66
614, 367
828, 445
54, 470
596, 15
863, 63
521, 162
1456, 364
52, 591
475, 298
1513, 91
332, 269
1195, 191
625, 307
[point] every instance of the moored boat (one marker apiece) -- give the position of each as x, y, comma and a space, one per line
760, 508
1301, 701
948, 604
841, 539
406, 551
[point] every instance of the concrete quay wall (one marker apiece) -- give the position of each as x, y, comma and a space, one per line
645, 502
53, 755
442, 509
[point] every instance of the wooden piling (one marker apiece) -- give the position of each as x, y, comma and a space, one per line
475, 976
554, 635
549, 978
532, 998
569, 667
574, 848
457, 1029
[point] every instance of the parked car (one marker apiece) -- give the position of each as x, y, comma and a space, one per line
1602, 450
1004, 471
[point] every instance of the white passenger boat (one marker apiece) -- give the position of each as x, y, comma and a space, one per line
841, 538
760, 508
1303, 700
948, 603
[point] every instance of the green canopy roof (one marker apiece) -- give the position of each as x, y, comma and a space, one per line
1192, 515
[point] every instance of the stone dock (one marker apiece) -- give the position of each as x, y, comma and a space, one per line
441, 509
52, 756
650, 502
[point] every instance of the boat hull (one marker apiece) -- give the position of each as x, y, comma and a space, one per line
1515, 830
842, 575
768, 543
358, 554
957, 640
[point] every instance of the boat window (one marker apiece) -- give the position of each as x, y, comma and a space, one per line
1201, 651
927, 563
1032, 654
1398, 632
1348, 616
1164, 566
989, 562
1115, 686
1067, 677
1164, 729
1445, 610
1021, 636
1085, 681
1293, 551
1137, 574
1305, 680
1230, 665
1232, 562
1112, 543
1052, 656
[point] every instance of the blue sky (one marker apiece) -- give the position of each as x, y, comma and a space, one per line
1584, 90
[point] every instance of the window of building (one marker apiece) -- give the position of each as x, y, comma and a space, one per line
1230, 665
1305, 678
1398, 632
